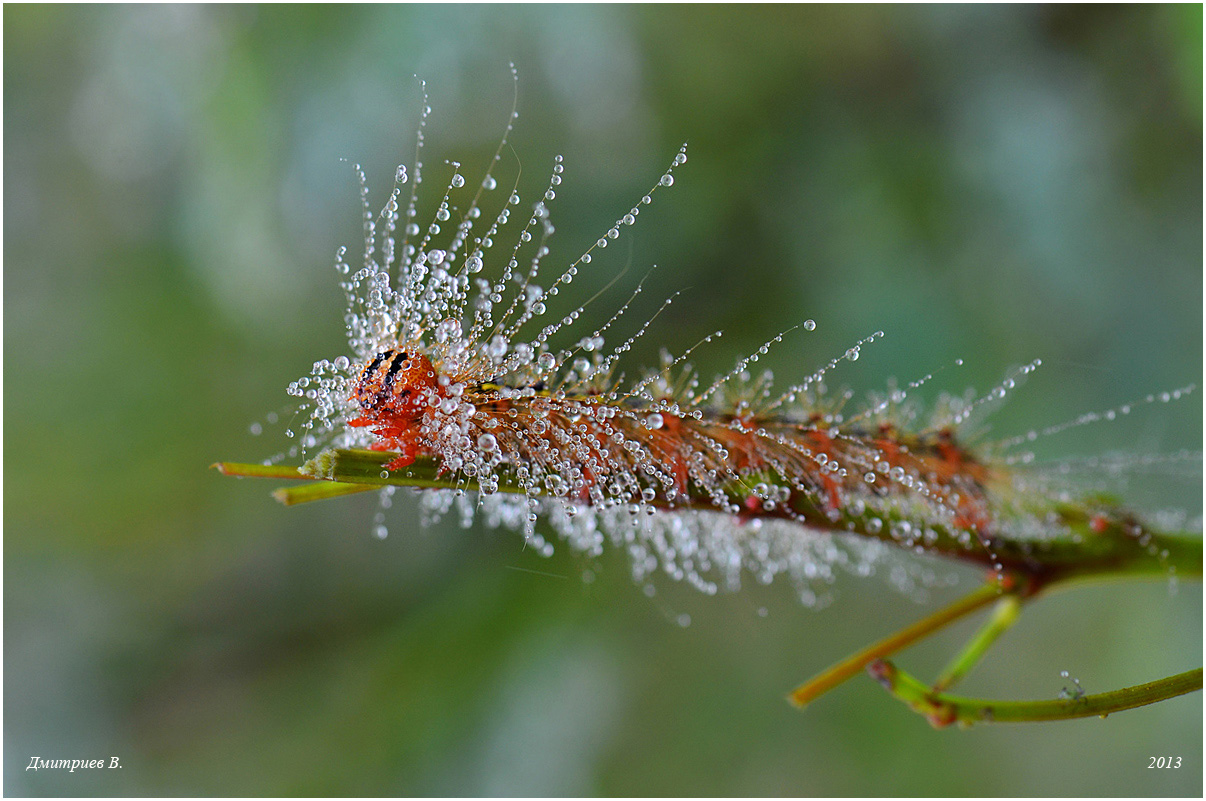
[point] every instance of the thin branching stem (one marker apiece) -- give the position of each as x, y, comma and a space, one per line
942, 709
856, 663
1003, 617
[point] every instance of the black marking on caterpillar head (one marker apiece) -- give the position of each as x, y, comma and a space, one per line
397, 363
375, 363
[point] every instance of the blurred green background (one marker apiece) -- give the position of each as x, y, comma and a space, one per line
988, 183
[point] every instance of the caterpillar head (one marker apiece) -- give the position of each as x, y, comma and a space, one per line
397, 383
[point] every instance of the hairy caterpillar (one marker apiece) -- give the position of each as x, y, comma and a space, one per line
479, 375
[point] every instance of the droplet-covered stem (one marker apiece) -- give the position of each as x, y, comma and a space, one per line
1122, 546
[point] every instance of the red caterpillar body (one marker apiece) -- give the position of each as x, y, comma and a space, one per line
588, 449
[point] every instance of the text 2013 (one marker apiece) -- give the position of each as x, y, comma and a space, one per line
1164, 762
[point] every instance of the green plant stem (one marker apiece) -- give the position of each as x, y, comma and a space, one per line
242, 470
942, 709
1003, 617
853, 665
318, 491
289, 496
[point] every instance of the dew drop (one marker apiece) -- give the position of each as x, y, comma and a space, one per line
497, 347
810, 325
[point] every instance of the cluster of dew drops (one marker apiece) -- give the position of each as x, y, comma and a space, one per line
470, 327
